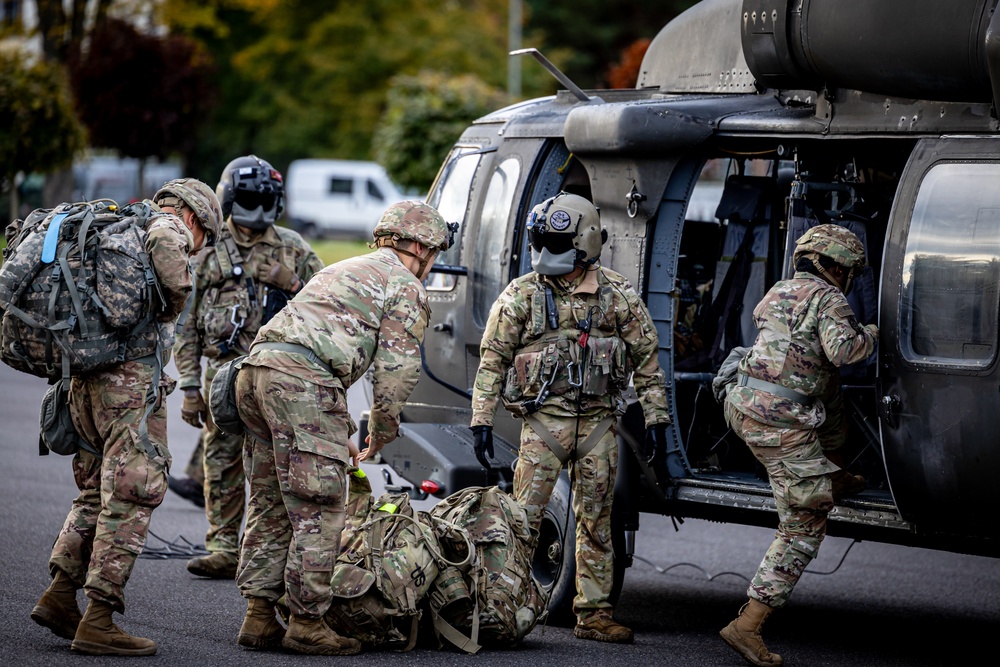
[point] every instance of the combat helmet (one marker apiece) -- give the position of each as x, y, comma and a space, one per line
252, 192
199, 198
836, 243
416, 221
564, 232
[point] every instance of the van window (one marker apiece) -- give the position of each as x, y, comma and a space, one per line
951, 268
487, 269
341, 186
450, 196
374, 192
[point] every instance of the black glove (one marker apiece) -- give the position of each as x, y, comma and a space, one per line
483, 444
655, 449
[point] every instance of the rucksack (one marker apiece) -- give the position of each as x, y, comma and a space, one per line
507, 602
390, 556
77, 290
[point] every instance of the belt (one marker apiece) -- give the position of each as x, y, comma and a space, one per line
295, 348
776, 389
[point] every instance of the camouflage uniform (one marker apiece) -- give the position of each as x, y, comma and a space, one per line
361, 312
518, 353
106, 528
807, 329
209, 328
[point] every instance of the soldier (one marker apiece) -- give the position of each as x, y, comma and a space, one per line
239, 285
291, 392
106, 528
558, 348
787, 407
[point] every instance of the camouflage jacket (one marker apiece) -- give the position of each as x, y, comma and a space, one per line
222, 299
619, 325
169, 242
367, 311
806, 330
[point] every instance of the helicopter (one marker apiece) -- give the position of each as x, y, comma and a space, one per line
753, 120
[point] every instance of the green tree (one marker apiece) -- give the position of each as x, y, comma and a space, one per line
424, 116
40, 130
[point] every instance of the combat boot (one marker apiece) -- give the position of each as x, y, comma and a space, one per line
57, 609
218, 565
846, 484
98, 635
187, 488
743, 634
602, 627
314, 637
260, 628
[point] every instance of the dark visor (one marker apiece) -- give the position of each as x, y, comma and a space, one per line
541, 239
251, 199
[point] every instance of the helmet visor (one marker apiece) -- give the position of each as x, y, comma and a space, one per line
542, 239
253, 199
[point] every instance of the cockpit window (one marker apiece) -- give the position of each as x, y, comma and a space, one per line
450, 196
488, 270
951, 268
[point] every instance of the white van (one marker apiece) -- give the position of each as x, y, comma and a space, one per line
337, 197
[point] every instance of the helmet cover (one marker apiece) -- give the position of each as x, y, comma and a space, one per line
251, 192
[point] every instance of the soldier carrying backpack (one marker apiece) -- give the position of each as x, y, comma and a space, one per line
90, 294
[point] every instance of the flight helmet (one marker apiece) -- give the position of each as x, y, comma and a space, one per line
199, 198
564, 232
836, 243
252, 192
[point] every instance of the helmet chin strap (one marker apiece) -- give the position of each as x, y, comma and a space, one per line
848, 277
421, 260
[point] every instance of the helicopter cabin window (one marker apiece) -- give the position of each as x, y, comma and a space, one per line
951, 268
450, 196
489, 267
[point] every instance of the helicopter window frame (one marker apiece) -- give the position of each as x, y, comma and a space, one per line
949, 313
488, 267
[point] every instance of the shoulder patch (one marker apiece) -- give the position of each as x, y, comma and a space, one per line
842, 311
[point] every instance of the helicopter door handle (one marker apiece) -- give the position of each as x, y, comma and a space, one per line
888, 409
444, 327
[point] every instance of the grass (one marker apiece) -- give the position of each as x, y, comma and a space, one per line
331, 250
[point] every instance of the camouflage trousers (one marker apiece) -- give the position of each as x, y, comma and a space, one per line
298, 487
593, 483
106, 528
195, 468
224, 483
800, 476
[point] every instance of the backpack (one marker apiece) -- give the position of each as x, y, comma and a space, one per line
506, 602
390, 555
77, 290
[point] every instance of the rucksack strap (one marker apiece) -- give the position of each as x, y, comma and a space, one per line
582, 449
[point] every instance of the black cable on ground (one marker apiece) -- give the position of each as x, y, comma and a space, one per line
181, 547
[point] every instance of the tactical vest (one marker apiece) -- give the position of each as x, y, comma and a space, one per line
237, 303
553, 362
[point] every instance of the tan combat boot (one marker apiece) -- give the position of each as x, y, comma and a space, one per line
314, 637
57, 609
602, 627
846, 484
743, 634
218, 565
260, 628
98, 635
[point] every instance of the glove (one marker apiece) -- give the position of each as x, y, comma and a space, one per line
655, 449
280, 276
483, 445
193, 410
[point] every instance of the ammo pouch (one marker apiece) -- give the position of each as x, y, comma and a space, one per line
606, 369
537, 369
57, 433
222, 397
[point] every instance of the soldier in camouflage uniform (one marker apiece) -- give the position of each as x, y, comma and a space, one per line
558, 349
787, 407
239, 285
106, 528
291, 393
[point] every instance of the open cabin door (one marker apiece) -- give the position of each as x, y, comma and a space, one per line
939, 386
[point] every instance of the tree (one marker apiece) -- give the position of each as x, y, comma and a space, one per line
424, 116
41, 132
139, 94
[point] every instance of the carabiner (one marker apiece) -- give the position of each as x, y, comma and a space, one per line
578, 382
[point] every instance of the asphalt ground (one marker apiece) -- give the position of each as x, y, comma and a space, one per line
881, 606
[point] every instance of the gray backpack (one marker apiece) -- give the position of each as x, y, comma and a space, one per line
77, 290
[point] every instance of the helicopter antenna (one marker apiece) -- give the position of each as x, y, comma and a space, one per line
554, 71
